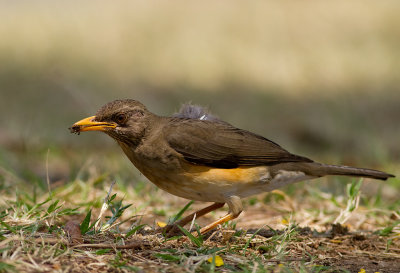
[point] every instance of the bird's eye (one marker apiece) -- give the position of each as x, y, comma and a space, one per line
121, 118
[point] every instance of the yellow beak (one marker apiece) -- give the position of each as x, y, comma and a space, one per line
88, 124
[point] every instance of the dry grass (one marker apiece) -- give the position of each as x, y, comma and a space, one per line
278, 232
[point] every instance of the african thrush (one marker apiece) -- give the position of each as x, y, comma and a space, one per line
197, 156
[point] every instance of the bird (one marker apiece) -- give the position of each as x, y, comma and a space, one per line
195, 155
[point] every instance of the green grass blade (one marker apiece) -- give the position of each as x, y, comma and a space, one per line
251, 238
180, 213
134, 230
84, 226
8, 227
167, 257
388, 230
198, 242
53, 207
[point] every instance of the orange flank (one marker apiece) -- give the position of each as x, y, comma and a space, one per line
207, 183
238, 175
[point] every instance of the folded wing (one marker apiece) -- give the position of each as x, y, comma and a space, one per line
220, 145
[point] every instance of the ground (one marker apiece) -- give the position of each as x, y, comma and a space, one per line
301, 229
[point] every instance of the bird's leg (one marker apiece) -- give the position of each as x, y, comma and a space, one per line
171, 229
199, 213
235, 208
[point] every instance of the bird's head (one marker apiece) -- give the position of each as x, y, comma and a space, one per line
124, 120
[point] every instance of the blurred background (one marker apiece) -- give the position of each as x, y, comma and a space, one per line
320, 78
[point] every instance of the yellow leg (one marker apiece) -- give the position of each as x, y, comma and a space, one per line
235, 208
220, 221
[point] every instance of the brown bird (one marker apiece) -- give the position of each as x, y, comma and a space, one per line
197, 156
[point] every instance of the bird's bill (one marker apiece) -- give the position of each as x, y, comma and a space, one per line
89, 124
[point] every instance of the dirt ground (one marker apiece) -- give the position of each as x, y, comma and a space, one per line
336, 246
353, 251
337, 249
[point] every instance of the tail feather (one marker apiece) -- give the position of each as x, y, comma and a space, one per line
352, 171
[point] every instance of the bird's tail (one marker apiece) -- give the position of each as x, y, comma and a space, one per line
325, 169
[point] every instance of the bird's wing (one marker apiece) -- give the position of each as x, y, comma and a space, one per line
221, 145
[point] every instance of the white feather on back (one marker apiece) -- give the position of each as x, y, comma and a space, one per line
191, 111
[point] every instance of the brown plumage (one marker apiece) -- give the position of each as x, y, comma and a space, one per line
197, 156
